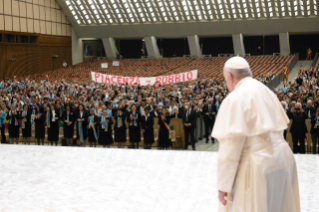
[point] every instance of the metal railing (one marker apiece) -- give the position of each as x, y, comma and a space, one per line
277, 80
226, 55
315, 59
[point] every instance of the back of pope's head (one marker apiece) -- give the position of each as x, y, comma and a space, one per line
235, 69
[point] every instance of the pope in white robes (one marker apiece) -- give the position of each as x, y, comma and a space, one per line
256, 168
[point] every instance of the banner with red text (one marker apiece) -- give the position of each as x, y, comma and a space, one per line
143, 81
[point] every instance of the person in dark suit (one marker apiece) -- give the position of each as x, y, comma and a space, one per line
105, 132
92, 128
26, 124
120, 127
209, 111
52, 124
189, 120
148, 130
68, 125
298, 128
134, 119
315, 131
155, 113
81, 127
39, 120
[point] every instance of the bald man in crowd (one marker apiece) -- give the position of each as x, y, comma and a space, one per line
256, 168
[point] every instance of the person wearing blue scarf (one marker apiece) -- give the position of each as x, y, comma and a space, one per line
13, 127
26, 124
120, 127
81, 127
2, 116
105, 130
92, 129
134, 119
68, 125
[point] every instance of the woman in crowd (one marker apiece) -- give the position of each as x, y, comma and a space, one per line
52, 118
26, 124
105, 131
164, 138
14, 126
92, 128
120, 127
68, 125
81, 128
133, 119
2, 124
148, 130
39, 120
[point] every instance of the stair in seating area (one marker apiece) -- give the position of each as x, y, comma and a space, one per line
293, 74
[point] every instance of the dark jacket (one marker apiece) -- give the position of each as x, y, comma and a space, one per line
298, 125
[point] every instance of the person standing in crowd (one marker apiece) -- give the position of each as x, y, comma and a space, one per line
39, 120
14, 126
81, 127
148, 130
155, 113
209, 112
120, 128
92, 128
134, 119
301, 71
309, 53
315, 131
298, 128
164, 139
68, 125
310, 110
52, 118
26, 124
285, 72
105, 132
2, 124
175, 113
189, 121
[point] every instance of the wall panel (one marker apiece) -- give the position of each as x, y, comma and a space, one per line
1, 22
1, 6
59, 29
53, 15
42, 27
47, 14
29, 11
54, 31
30, 26
48, 27
36, 26
42, 13
36, 12
34, 58
15, 7
16, 24
8, 23
23, 25
23, 9
7, 7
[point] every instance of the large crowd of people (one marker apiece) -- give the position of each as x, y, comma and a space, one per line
88, 111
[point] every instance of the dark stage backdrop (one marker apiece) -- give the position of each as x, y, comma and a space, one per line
300, 44
272, 45
173, 47
217, 45
252, 43
130, 48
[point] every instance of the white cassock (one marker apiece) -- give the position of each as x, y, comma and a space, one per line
255, 164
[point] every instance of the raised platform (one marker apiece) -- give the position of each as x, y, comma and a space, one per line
39, 178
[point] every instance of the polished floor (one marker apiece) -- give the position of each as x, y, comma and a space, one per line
43, 178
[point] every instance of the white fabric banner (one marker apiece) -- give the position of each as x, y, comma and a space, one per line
116, 63
104, 65
143, 81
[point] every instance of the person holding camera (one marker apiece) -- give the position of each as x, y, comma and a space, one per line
298, 127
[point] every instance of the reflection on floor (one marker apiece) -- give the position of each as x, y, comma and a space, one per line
58, 179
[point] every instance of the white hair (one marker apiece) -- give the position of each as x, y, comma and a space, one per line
240, 73
298, 103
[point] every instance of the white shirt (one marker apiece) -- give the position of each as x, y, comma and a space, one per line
81, 114
147, 117
53, 115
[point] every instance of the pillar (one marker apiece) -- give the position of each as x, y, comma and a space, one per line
284, 43
238, 43
77, 50
110, 47
151, 47
193, 45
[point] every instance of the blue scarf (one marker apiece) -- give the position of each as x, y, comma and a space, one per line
15, 120
104, 124
80, 131
24, 120
134, 121
91, 125
109, 112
